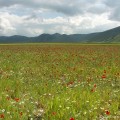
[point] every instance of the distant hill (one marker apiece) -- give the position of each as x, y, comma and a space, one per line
109, 36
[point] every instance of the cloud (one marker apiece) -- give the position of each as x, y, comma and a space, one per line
5, 26
114, 7
57, 16
67, 7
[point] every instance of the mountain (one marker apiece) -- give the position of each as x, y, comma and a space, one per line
14, 39
109, 36
112, 35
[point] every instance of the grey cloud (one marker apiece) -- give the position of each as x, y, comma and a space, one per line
115, 8
112, 3
32, 16
67, 7
98, 9
4, 3
1, 27
115, 15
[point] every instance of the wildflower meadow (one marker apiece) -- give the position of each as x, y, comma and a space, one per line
59, 82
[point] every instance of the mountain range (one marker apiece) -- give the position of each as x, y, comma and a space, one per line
109, 36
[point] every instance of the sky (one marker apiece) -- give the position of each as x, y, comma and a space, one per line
35, 17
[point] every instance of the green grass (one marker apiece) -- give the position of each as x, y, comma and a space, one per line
59, 82
79, 44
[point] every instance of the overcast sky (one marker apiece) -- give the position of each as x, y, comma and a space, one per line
34, 17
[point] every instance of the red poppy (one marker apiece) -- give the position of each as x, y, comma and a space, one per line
21, 113
93, 90
17, 99
70, 83
107, 112
95, 85
53, 113
2, 116
103, 76
72, 118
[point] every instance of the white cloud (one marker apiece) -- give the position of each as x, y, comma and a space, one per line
6, 26
64, 16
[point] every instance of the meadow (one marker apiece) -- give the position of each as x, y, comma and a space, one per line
59, 82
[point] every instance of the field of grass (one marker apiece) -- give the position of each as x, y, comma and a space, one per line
60, 82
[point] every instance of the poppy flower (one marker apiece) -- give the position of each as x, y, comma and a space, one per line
107, 112
93, 90
95, 85
53, 113
2, 116
17, 99
103, 76
21, 113
70, 83
72, 118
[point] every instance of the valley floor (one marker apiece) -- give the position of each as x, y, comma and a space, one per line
60, 82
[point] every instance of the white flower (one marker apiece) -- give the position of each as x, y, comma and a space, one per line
3, 110
68, 108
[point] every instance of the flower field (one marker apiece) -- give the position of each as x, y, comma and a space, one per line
59, 82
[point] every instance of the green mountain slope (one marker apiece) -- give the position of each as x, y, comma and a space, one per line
109, 36
112, 35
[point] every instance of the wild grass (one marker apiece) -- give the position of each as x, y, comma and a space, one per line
59, 82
